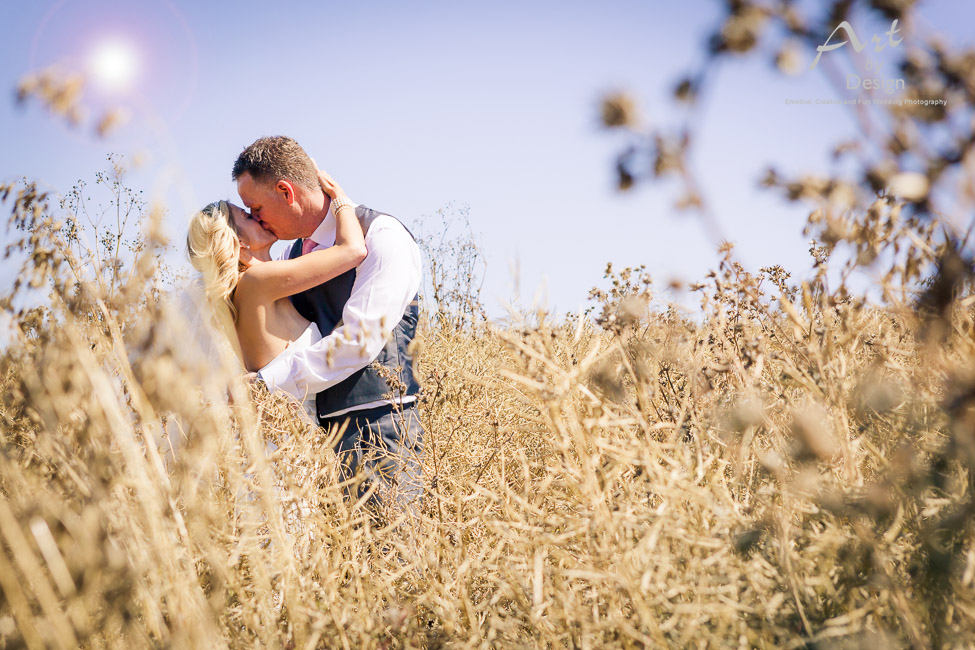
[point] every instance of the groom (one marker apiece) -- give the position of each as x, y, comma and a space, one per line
361, 370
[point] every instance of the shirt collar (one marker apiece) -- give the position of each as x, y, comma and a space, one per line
324, 235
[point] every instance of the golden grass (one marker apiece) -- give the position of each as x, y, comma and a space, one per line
794, 472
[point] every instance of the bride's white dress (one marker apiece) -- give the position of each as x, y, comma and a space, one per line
309, 337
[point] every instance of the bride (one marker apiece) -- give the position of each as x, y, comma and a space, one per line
249, 292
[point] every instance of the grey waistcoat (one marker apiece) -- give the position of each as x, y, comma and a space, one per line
323, 306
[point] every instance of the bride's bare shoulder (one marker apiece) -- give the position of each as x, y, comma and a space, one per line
248, 291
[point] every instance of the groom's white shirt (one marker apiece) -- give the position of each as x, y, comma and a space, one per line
385, 283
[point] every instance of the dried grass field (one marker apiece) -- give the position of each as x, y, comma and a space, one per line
788, 464
790, 467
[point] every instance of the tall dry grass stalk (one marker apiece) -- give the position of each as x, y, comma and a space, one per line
792, 469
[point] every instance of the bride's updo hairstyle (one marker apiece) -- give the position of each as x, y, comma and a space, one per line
214, 250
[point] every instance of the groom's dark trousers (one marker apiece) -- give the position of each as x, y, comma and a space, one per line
383, 446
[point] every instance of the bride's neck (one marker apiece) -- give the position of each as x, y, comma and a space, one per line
261, 254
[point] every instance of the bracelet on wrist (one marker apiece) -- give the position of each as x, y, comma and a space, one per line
340, 202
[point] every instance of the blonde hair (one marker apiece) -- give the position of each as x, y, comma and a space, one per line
213, 246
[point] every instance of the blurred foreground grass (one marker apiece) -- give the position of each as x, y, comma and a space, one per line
794, 468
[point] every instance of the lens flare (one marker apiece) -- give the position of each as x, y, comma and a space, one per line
113, 64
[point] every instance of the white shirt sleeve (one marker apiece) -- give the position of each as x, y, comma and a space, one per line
385, 283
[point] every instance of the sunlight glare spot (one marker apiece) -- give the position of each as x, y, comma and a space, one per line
113, 64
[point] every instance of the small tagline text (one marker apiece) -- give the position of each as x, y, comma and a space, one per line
886, 102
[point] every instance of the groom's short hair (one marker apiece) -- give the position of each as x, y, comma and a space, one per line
274, 158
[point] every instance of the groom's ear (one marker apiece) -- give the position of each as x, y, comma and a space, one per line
287, 190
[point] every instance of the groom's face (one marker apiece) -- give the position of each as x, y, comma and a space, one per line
268, 206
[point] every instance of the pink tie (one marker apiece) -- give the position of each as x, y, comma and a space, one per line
307, 245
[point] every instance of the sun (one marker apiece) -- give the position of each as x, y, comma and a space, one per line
113, 64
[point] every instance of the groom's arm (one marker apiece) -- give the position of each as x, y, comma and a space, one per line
386, 282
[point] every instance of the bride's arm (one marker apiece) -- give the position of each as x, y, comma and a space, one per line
280, 278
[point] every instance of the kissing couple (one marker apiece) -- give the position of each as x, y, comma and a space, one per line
331, 320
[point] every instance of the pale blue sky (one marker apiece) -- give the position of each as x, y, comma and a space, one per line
414, 106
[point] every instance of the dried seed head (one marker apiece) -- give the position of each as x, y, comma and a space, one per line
788, 59
813, 438
910, 186
607, 379
619, 109
747, 413
878, 395
747, 540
